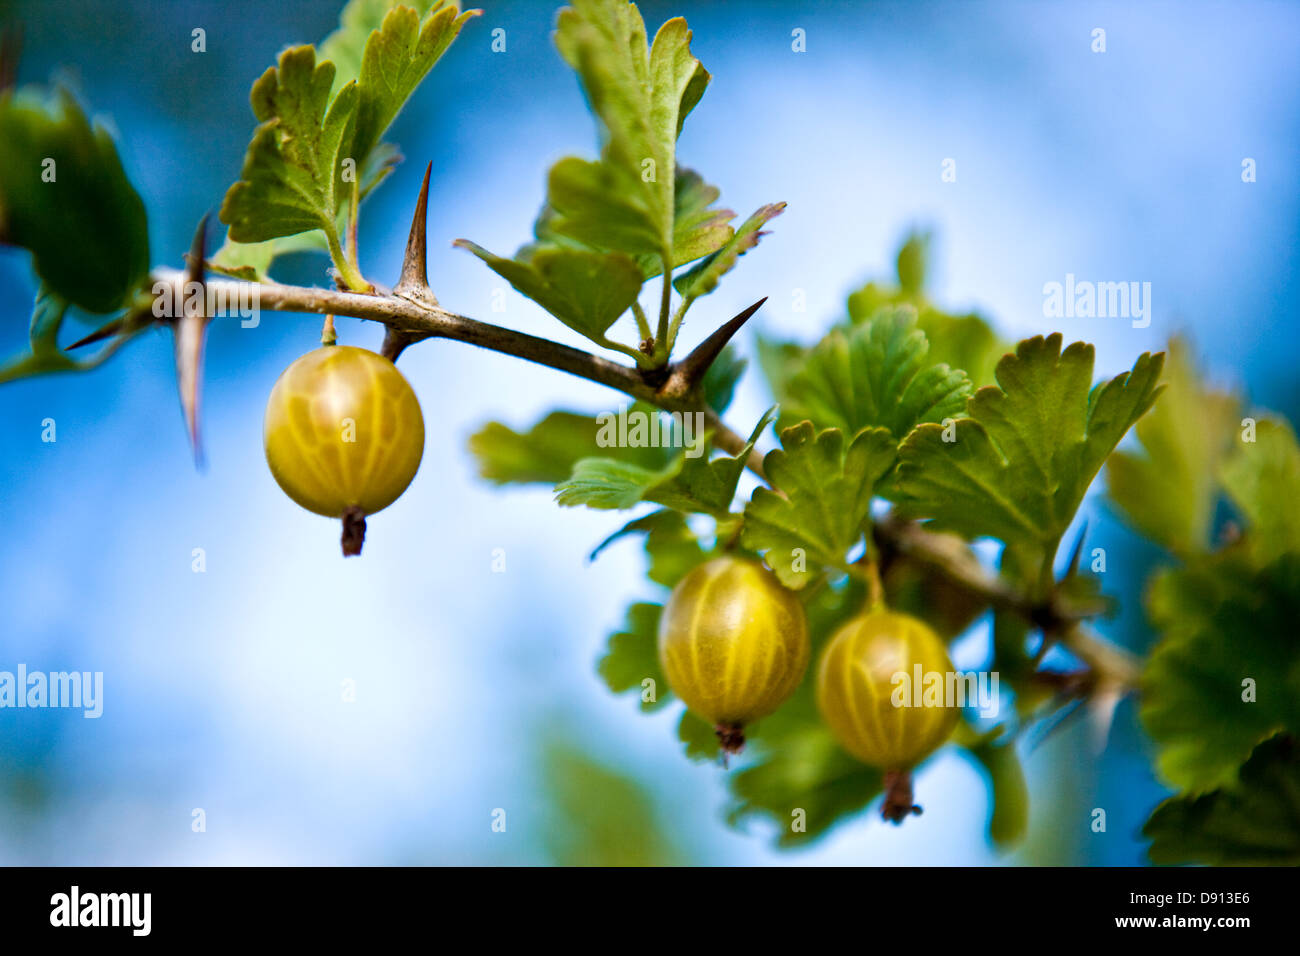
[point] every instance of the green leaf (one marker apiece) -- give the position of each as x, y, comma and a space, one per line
912, 262
827, 499
780, 362
698, 227
1254, 821
66, 199
1263, 479
632, 657
251, 261
703, 278
1223, 624
596, 816
1009, 795
876, 374
693, 484
613, 485
1168, 490
672, 547
346, 46
721, 378
699, 737
1019, 466
396, 59
805, 779
965, 342
642, 96
587, 291
292, 178
320, 128
546, 453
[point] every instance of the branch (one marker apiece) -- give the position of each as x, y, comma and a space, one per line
949, 556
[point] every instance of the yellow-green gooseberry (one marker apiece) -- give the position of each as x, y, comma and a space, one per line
344, 435
733, 643
866, 695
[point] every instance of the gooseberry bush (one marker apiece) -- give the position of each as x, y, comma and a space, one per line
897, 443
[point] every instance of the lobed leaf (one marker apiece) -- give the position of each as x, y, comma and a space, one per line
1252, 821
632, 656
1018, 467
1224, 675
396, 59
875, 374
827, 491
292, 178
642, 96
315, 115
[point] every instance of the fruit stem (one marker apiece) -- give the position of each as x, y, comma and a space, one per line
731, 737
354, 531
327, 336
870, 565
898, 805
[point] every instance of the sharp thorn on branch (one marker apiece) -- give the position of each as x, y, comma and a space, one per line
189, 326
690, 371
413, 284
101, 333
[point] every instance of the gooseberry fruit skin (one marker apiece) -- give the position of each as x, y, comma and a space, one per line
733, 642
855, 689
343, 431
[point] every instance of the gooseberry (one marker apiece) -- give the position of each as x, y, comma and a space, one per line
733, 643
868, 694
344, 435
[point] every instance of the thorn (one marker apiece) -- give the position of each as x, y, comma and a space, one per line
190, 329
691, 369
103, 332
1074, 554
414, 280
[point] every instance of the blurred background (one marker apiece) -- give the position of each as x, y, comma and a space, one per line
476, 691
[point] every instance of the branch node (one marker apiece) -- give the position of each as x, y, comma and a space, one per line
395, 342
